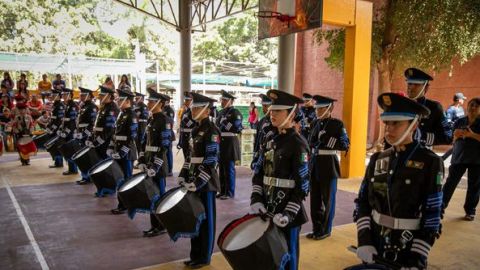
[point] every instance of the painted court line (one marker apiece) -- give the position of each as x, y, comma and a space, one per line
24, 222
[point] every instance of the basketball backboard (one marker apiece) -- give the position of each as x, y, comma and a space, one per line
283, 17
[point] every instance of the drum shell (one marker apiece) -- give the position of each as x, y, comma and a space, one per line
267, 252
140, 196
69, 148
86, 161
182, 218
52, 145
26, 146
108, 178
41, 139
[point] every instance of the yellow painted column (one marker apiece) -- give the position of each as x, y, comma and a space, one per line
358, 41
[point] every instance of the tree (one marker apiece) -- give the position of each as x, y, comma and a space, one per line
236, 40
428, 34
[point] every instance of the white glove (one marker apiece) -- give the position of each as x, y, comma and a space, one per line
280, 220
142, 167
365, 253
116, 155
49, 131
109, 152
62, 134
151, 172
89, 144
258, 208
180, 181
190, 186
59, 132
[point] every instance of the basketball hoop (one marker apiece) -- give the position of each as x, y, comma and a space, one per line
276, 15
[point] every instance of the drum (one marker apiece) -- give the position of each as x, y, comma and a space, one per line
86, 158
26, 146
10, 145
69, 148
245, 238
1, 145
52, 145
41, 139
181, 213
139, 193
106, 175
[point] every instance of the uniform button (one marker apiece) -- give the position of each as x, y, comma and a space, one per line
390, 172
407, 181
372, 179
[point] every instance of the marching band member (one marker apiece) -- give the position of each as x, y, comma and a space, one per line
326, 138
104, 126
86, 121
170, 113
58, 111
69, 125
308, 115
23, 127
122, 147
281, 182
186, 126
142, 113
199, 174
400, 199
229, 121
153, 159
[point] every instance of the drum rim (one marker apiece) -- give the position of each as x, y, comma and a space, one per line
133, 177
243, 222
85, 148
91, 172
179, 189
49, 143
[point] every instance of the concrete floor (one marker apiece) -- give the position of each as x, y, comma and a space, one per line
74, 230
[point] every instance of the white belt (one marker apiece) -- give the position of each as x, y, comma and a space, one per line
66, 119
82, 125
186, 129
142, 120
149, 148
278, 182
395, 223
322, 152
98, 129
228, 134
53, 117
196, 160
120, 138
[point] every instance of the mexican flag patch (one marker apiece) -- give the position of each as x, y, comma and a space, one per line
304, 157
214, 138
439, 178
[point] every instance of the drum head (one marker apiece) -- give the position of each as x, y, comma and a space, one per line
102, 166
171, 200
80, 152
24, 140
135, 180
245, 234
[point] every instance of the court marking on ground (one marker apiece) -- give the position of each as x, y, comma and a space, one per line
26, 227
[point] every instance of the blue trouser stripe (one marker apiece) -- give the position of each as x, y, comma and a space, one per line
294, 234
331, 215
170, 158
58, 161
211, 231
231, 179
161, 185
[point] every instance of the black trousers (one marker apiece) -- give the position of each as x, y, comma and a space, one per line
202, 245
322, 204
455, 173
227, 174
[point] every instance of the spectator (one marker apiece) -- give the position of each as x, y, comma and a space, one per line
44, 86
7, 82
6, 102
5, 123
253, 115
43, 120
58, 83
35, 106
124, 83
455, 111
22, 85
109, 83
466, 156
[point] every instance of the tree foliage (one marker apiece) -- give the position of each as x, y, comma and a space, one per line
429, 34
235, 40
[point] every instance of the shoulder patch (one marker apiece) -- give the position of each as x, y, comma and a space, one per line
304, 157
215, 138
415, 164
439, 178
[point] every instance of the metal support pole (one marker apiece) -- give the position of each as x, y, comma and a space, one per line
286, 62
185, 50
157, 64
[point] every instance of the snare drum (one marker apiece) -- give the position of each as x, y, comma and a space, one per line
181, 213
41, 139
69, 148
86, 158
245, 238
106, 176
139, 194
26, 147
52, 145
